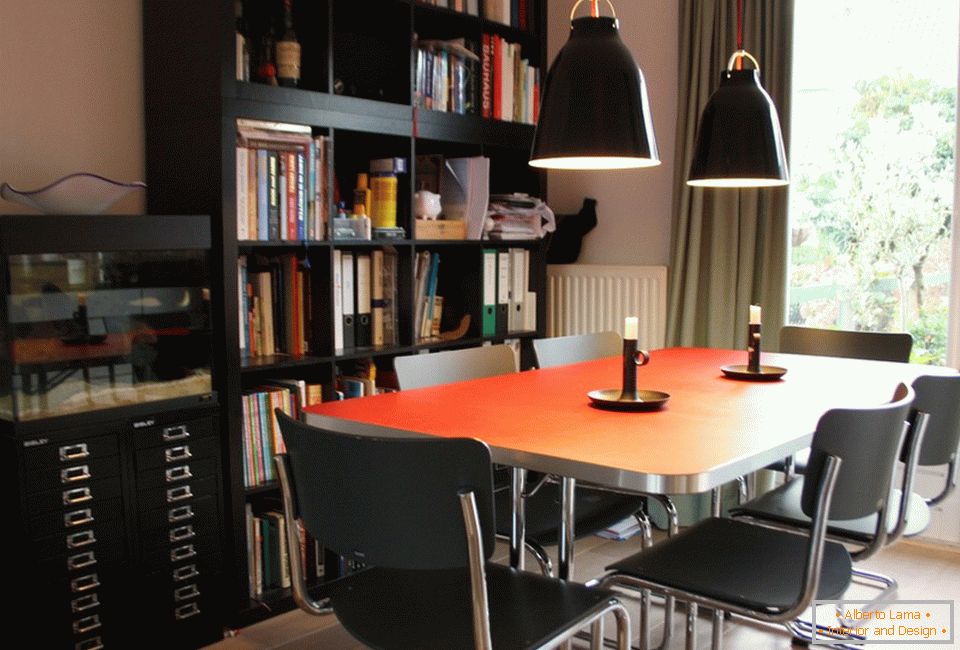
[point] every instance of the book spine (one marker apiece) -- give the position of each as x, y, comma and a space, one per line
263, 194
273, 184
497, 81
486, 69
242, 193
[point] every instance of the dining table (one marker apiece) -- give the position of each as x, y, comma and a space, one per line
711, 429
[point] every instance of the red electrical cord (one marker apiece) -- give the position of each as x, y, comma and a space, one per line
740, 32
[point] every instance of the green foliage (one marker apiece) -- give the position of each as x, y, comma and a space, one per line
930, 336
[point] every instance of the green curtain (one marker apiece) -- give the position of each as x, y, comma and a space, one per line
729, 247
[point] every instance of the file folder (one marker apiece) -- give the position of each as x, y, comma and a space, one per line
338, 300
503, 292
377, 302
349, 312
489, 306
362, 338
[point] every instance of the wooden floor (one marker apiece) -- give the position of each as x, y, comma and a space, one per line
924, 571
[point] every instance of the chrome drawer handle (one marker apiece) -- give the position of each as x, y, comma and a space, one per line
185, 593
81, 560
84, 583
182, 553
186, 611
76, 495
182, 533
95, 643
81, 539
175, 454
78, 518
185, 572
74, 452
74, 474
84, 603
181, 513
175, 433
179, 493
179, 473
86, 624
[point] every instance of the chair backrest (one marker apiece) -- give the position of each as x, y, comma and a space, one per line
389, 502
561, 350
939, 398
868, 441
420, 370
877, 346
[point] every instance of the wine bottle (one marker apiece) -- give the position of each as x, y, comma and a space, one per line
266, 68
242, 47
288, 50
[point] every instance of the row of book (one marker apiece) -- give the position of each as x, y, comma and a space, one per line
283, 191
267, 553
365, 298
515, 13
508, 304
509, 85
275, 306
428, 304
261, 431
464, 6
446, 76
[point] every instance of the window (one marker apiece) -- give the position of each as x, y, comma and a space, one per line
872, 163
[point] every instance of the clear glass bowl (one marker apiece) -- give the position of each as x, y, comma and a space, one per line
78, 193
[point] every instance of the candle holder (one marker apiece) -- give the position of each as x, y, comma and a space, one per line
753, 371
753, 348
627, 397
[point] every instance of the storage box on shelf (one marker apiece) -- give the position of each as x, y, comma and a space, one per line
358, 100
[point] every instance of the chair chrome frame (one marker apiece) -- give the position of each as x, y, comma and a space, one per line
478, 583
811, 577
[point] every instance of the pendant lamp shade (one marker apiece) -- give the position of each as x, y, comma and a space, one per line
595, 113
739, 142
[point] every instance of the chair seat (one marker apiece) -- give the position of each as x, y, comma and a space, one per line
783, 505
595, 510
389, 608
739, 563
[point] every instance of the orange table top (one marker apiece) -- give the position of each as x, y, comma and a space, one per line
711, 430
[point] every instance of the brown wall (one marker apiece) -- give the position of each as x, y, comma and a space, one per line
71, 93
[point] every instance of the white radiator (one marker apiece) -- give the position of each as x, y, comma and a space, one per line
585, 298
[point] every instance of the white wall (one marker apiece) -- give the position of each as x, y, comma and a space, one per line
634, 206
71, 93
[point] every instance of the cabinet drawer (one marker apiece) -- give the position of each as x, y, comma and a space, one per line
72, 497
174, 433
85, 538
76, 517
196, 550
202, 513
176, 453
178, 473
66, 475
69, 452
104, 556
176, 494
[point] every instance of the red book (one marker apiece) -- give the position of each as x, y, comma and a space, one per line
522, 14
536, 95
486, 78
497, 82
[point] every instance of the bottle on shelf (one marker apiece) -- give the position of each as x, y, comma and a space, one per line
266, 67
362, 196
288, 50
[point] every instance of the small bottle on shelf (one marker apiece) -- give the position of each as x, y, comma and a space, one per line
242, 47
266, 68
288, 50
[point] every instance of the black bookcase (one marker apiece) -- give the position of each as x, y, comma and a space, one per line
357, 88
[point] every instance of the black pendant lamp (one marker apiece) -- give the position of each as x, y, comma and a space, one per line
595, 113
739, 143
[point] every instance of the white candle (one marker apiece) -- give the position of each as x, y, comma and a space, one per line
754, 314
630, 328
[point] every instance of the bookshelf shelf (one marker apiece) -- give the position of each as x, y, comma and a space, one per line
268, 487
357, 102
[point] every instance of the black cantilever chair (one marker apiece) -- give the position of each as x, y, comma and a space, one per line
932, 439
419, 513
594, 509
873, 346
770, 574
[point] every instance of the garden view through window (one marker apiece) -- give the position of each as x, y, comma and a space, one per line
873, 131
